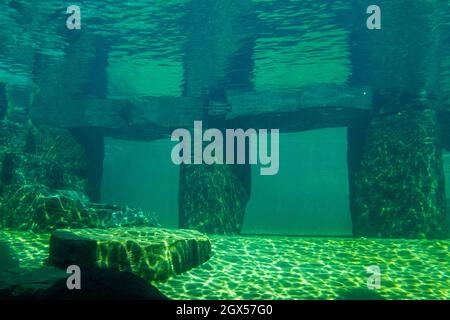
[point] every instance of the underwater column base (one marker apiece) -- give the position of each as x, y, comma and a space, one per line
212, 199
398, 185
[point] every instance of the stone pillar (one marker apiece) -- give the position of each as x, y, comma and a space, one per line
212, 199
93, 143
397, 177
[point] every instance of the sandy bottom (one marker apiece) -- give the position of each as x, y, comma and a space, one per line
291, 268
316, 268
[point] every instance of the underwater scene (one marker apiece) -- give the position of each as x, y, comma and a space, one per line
225, 149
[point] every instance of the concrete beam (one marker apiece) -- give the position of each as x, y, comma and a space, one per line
156, 117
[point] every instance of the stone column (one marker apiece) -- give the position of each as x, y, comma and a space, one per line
66, 84
212, 199
397, 177
395, 161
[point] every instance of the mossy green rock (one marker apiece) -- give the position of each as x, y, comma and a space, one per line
154, 254
27, 168
44, 155
41, 209
59, 146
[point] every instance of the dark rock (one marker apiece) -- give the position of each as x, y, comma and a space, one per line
104, 285
19, 283
49, 283
154, 254
212, 199
40, 209
398, 185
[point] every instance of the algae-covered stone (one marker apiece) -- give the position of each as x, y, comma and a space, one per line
26, 168
398, 184
41, 209
44, 155
22, 250
59, 145
213, 198
15, 136
151, 253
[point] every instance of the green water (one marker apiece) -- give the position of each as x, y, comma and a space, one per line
86, 118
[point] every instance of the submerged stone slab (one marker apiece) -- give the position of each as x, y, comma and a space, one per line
24, 250
154, 254
397, 185
41, 209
